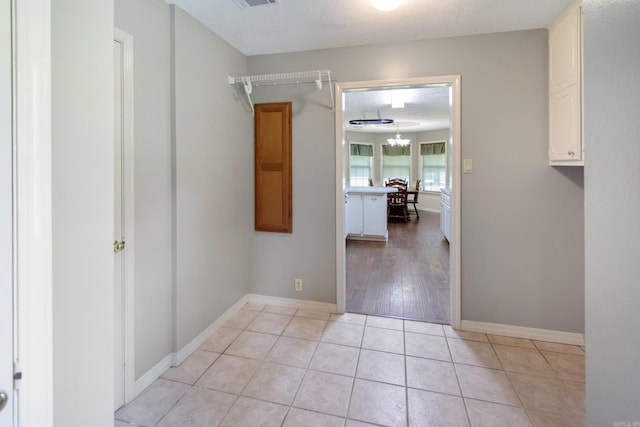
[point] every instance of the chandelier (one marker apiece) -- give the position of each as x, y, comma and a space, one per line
397, 140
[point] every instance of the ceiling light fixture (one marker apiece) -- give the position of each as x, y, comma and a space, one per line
397, 99
386, 5
370, 122
365, 122
397, 140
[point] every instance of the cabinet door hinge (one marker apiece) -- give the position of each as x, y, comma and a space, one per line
17, 376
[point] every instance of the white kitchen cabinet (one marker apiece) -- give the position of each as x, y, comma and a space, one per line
374, 214
445, 213
354, 216
565, 89
366, 213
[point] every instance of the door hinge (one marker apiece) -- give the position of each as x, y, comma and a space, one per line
17, 376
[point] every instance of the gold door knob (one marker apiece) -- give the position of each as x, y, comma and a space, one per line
3, 400
118, 246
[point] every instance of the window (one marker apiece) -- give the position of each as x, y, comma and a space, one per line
360, 163
396, 162
433, 160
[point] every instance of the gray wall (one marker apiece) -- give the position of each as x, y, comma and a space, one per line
522, 221
148, 21
309, 252
193, 178
82, 203
214, 179
612, 209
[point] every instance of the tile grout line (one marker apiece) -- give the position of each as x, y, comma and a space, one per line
406, 374
353, 383
455, 370
319, 340
515, 391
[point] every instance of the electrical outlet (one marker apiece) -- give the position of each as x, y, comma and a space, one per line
299, 285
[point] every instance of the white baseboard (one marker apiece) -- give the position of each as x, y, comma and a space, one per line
152, 374
193, 345
429, 210
174, 359
293, 303
523, 332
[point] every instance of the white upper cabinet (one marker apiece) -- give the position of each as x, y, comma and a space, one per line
564, 50
565, 88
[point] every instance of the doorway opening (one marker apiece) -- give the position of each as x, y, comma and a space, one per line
412, 273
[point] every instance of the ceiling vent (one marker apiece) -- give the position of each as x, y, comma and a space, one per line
254, 3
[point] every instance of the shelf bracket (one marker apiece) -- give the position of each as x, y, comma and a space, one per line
317, 77
246, 83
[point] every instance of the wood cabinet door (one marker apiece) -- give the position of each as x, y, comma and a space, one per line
273, 184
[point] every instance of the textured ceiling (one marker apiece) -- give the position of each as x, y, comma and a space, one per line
297, 25
425, 108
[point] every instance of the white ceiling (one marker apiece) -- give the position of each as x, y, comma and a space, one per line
297, 25
425, 108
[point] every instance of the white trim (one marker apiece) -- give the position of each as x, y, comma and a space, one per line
523, 332
153, 374
428, 210
129, 206
34, 273
454, 258
294, 303
184, 352
8, 335
340, 137
455, 281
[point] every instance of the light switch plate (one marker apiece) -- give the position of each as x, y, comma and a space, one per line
468, 166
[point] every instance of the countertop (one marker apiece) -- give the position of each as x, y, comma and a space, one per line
370, 190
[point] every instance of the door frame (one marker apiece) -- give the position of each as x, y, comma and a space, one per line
33, 229
8, 414
340, 141
128, 195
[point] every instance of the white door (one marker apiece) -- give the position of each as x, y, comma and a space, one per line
123, 219
119, 279
6, 221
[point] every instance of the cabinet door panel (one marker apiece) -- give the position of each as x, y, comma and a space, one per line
375, 215
354, 214
564, 125
564, 50
273, 202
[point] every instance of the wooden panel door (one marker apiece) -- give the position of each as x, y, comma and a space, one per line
273, 201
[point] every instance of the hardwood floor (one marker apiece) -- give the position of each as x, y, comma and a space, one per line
406, 277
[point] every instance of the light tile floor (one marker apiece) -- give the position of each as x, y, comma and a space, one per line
275, 366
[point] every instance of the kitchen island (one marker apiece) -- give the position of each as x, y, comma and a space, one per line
366, 213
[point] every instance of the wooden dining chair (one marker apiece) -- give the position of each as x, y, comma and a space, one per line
393, 182
412, 199
397, 208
